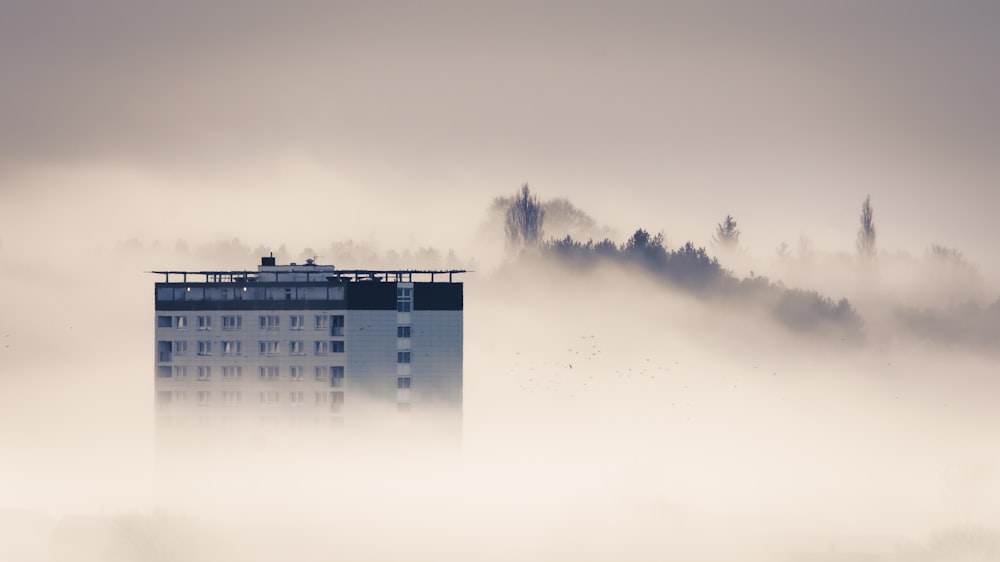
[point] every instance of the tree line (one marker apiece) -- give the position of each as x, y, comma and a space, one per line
524, 221
692, 269
687, 267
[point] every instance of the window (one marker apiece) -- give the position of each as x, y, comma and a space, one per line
296, 373
336, 347
337, 377
204, 322
402, 331
204, 348
402, 357
337, 325
403, 383
232, 372
180, 372
232, 322
268, 348
322, 322
321, 373
269, 373
336, 401
296, 347
204, 373
295, 322
232, 397
322, 397
163, 351
164, 372
164, 321
270, 322
404, 299
204, 397
180, 347
321, 347
180, 396
269, 397
163, 397
230, 348
296, 397
180, 322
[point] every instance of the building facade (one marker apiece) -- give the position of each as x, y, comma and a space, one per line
306, 343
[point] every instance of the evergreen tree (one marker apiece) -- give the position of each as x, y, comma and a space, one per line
726, 234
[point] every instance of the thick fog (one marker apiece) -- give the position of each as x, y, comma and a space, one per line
626, 396
609, 412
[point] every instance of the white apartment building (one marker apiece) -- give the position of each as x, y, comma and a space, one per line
306, 343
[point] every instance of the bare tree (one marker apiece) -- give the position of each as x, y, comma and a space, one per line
726, 234
948, 256
805, 248
524, 219
866, 234
782, 251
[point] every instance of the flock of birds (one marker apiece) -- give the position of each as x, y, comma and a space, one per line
584, 362
588, 370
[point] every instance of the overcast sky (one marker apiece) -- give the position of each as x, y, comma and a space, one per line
305, 122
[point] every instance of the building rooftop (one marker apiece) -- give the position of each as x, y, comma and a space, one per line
269, 272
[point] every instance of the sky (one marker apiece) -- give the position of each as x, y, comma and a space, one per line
128, 126
400, 121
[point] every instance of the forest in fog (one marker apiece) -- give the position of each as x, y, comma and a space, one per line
938, 297
650, 392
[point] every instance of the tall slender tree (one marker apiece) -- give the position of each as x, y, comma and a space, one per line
524, 220
866, 233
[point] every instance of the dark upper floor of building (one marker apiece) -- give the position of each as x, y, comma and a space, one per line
309, 287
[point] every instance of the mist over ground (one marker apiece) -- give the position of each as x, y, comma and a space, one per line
634, 391
607, 413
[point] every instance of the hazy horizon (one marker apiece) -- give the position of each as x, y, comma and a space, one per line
137, 137
666, 116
